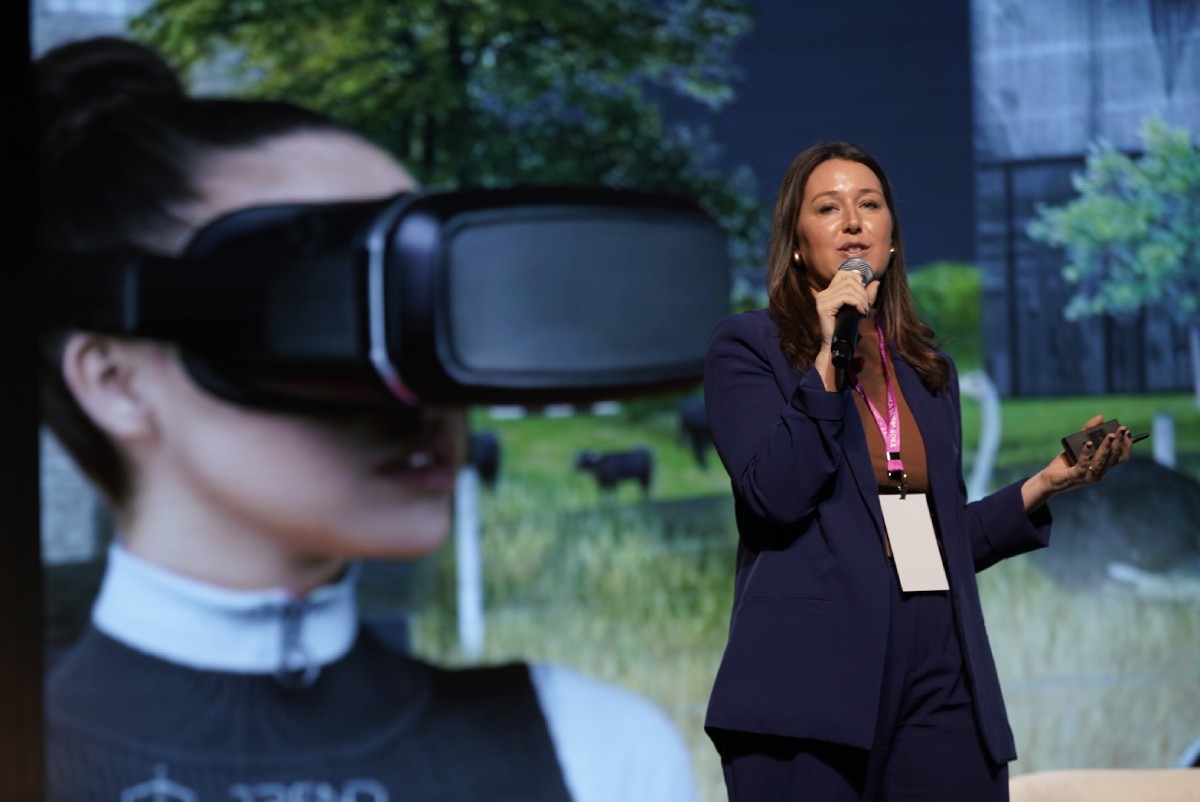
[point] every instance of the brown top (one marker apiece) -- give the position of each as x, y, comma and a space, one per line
912, 447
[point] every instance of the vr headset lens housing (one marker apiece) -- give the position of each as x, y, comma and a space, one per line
527, 296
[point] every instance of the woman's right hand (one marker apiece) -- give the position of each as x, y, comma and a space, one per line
845, 289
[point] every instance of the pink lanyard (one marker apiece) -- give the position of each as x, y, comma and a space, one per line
888, 429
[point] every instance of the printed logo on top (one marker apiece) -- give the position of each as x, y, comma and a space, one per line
161, 788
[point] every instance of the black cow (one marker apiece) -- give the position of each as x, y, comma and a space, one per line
611, 468
483, 453
694, 428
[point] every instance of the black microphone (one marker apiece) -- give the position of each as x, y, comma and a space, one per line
845, 330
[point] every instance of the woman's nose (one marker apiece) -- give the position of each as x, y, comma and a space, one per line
851, 221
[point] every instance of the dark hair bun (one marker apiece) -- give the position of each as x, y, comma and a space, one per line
82, 80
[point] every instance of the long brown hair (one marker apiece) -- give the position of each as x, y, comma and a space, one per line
790, 301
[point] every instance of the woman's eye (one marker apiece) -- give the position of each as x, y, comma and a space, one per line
829, 207
871, 204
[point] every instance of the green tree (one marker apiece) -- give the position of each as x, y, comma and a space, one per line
495, 92
949, 297
1132, 235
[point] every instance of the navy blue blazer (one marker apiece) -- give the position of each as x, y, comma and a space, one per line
805, 655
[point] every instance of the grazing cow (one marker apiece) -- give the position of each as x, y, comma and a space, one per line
483, 452
694, 428
611, 468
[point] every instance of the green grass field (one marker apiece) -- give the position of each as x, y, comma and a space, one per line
637, 590
1032, 427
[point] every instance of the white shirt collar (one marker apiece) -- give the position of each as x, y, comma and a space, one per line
207, 627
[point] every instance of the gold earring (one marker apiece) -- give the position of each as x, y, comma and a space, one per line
892, 249
796, 257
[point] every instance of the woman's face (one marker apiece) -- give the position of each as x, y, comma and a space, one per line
296, 486
842, 215
248, 498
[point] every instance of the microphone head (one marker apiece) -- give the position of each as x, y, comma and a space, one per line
861, 267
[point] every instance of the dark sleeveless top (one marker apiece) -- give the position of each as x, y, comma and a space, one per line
375, 726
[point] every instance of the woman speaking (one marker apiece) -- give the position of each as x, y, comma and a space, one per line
857, 666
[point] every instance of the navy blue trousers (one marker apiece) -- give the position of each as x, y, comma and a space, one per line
927, 743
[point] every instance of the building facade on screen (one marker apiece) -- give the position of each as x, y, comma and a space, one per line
1051, 78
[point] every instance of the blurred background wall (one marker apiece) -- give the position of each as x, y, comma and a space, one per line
1051, 79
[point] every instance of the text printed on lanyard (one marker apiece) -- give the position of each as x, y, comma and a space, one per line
889, 428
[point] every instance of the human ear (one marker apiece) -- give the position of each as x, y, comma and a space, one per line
102, 374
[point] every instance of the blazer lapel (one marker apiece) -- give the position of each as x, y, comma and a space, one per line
929, 412
858, 457
936, 422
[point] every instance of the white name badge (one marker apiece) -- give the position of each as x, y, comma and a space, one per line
914, 544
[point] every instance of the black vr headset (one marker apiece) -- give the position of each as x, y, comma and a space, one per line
518, 296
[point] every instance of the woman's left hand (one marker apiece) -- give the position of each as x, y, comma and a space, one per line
1093, 464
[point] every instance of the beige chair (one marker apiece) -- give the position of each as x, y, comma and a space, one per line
1107, 785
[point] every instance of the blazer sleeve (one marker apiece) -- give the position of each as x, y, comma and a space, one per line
780, 446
